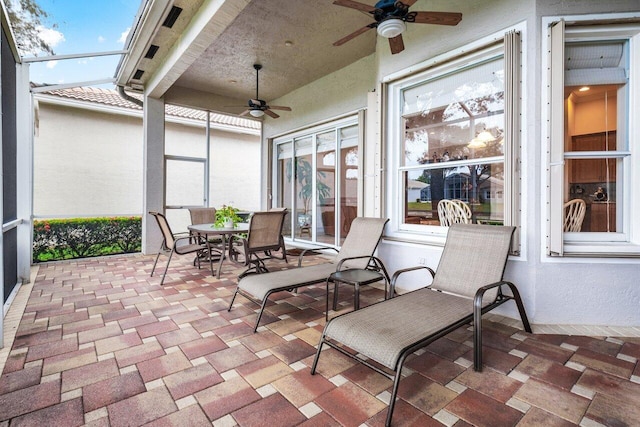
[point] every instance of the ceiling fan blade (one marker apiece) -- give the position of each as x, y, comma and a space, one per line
439, 18
397, 44
244, 113
277, 107
355, 5
352, 35
408, 2
271, 114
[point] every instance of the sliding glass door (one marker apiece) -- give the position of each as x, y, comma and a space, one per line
316, 177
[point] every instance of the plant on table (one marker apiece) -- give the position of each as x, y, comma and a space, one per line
225, 215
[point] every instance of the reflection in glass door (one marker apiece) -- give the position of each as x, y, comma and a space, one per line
303, 187
284, 182
316, 178
348, 184
325, 187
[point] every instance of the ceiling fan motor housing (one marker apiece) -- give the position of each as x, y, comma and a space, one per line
392, 9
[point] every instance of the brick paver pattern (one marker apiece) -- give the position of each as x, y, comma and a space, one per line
101, 343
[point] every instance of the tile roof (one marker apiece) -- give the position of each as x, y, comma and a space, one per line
113, 98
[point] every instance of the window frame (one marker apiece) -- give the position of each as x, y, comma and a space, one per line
497, 45
589, 28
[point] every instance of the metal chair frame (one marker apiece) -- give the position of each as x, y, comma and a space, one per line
172, 243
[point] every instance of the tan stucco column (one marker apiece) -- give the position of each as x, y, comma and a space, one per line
153, 173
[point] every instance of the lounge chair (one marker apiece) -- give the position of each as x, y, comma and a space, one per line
356, 252
468, 283
262, 242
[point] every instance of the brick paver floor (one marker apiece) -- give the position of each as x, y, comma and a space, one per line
101, 343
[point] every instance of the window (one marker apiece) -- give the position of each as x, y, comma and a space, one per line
316, 175
591, 142
457, 126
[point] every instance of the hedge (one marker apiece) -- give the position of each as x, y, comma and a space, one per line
57, 239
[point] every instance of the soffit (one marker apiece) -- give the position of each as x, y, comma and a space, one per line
221, 64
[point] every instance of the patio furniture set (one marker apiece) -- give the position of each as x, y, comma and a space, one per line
467, 283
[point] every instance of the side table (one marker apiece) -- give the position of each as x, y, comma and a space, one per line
356, 278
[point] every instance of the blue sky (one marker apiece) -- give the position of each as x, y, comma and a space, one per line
84, 26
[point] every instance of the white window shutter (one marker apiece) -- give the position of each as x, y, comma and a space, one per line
556, 141
512, 64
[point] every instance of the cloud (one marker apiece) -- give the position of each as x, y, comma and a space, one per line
101, 39
52, 37
83, 62
123, 36
52, 64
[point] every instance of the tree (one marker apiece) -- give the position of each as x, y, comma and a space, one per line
26, 18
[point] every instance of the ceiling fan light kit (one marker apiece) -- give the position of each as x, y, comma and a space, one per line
391, 28
256, 113
391, 17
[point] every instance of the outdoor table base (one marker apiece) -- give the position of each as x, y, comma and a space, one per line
207, 230
356, 278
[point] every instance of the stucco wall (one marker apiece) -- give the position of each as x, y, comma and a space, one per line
90, 163
81, 168
588, 291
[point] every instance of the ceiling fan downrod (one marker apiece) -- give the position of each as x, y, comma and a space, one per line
258, 67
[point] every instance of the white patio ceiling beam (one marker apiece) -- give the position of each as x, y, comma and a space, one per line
208, 24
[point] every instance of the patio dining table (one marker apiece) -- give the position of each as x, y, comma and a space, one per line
208, 230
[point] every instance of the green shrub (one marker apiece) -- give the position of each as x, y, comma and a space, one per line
56, 239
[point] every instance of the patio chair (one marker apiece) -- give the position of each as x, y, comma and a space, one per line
179, 244
262, 242
356, 252
453, 212
202, 215
468, 282
574, 211
206, 216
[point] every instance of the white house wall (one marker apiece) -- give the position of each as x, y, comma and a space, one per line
587, 291
90, 163
87, 163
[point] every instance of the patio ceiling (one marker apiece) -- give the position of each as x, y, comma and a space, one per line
206, 59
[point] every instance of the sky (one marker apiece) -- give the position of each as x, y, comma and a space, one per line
83, 26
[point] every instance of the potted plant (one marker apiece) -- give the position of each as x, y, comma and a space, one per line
227, 217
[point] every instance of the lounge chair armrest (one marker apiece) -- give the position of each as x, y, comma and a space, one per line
339, 266
304, 251
398, 273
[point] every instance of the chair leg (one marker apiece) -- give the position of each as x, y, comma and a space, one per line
166, 268
520, 305
394, 392
233, 298
477, 339
315, 359
156, 261
264, 304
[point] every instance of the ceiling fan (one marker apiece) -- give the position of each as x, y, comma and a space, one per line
259, 107
391, 17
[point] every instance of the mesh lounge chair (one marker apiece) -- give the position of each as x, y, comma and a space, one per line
263, 240
356, 252
468, 283
172, 243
